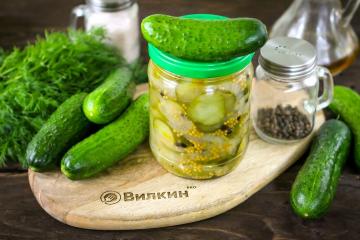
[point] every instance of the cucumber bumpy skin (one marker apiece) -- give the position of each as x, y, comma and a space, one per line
110, 144
111, 98
204, 40
346, 103
65, 127
315, 185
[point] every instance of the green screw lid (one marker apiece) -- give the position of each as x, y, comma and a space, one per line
194, 69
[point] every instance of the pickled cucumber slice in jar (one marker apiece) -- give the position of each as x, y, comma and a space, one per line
230, 101
155, 97
186, 92
163, 132
212, 148
208, 111
176, 116
155, 113
165, 154
209, 128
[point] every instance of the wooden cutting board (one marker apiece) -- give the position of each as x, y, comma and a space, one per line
138, 193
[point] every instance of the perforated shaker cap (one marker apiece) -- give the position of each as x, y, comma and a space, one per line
288, 57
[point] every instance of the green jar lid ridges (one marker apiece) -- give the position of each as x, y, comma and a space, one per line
193, 69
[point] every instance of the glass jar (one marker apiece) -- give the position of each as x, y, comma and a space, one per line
326, 25
199, 113
120, 19
285, 92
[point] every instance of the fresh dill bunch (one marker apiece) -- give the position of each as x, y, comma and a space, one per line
139, 69
36, 80
2, 56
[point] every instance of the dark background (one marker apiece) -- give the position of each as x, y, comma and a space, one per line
266, 215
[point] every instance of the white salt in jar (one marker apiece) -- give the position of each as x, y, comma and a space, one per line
120, 18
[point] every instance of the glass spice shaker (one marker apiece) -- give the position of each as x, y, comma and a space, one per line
120, 18
285, 92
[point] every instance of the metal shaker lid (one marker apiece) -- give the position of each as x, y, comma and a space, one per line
288, 57
110, 5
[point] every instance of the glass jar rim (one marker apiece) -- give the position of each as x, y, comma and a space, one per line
212, 80
200, 70
110, 6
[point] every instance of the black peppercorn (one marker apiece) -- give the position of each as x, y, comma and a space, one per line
283, 122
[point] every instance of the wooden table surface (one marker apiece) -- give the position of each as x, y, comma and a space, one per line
266, 215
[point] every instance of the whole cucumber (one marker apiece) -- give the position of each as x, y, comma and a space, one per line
204, 40
315, 185
346, 103
66, 126
111, 98
110, 144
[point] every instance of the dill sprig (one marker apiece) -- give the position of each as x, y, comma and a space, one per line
36, 80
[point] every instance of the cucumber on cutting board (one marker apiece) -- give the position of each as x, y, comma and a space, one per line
315, 185
204, 40
346, 103
111, 98
66, 126
110, 144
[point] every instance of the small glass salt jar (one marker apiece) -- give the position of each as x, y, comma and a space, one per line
285, 91
120, 18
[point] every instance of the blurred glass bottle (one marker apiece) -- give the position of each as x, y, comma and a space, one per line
120, 19
326, 25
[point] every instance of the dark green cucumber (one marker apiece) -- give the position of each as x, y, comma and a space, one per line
315, 185
66, 126
346, 103
204, 40
111, 98
110, 144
